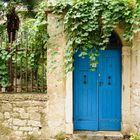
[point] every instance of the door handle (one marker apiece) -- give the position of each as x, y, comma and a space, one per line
109, 80
85, 79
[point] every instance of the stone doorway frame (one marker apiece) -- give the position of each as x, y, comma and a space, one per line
126, 74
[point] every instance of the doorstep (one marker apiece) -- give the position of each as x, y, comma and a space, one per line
97, 135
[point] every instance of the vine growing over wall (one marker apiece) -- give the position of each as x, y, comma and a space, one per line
90, 23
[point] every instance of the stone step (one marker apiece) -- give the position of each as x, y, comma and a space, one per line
101, 135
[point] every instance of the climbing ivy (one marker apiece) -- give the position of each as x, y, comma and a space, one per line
90, 23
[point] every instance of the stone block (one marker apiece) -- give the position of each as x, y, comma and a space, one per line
35, 116
22, 104
30, 133
25, 129
3, 137
35, 128
16, 115
7, 115
24, 115
10, 120
7, 107
1, 116
15, 127
18, 133
34, 123
19, 122
20, 110
32, 109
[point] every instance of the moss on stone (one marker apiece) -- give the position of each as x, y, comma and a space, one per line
42, 119
5, 130
31, 137
61, 136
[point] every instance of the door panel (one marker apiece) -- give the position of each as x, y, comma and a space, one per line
110, 91
85, 96
97, 94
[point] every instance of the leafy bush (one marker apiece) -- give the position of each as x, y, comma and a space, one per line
33, 33
135, 137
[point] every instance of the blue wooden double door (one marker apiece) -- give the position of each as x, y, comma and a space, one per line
97, 94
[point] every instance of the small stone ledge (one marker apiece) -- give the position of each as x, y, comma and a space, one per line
100, 135
23, 97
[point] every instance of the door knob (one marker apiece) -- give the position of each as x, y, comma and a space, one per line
109, 80
85, 77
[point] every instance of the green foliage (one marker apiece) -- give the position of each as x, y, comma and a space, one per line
61, 136
6, 6
36, 31
89, 25
36, 28
2, 28
4, 57
135, 137
33, 33
29, 3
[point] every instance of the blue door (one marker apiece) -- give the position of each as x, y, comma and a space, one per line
97, 94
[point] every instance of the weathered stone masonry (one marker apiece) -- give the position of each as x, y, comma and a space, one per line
24, 115
135, 84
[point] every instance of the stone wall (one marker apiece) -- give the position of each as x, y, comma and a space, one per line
135, 85
55, 77
22, 116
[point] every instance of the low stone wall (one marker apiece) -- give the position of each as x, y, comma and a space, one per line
23, 116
